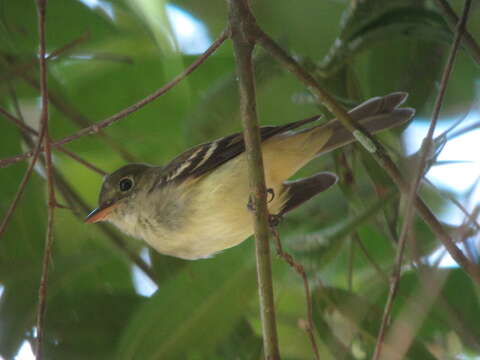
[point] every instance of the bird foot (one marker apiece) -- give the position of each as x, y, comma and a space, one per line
272, 194
251, 205
274, 220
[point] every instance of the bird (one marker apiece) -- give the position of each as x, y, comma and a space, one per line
197, 205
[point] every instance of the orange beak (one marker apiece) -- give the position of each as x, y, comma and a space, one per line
100, 213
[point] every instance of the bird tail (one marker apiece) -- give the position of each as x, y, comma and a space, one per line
295, 149
374, 115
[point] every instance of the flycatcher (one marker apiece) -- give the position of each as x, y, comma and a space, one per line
196, 205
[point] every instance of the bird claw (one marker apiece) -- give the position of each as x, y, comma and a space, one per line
272, 193
251, 205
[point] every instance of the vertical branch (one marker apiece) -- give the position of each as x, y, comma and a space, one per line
30, 131
23, 184
308, 297
426, 149
42, 292
16, 70
242, 24
452, 20
73, 199
374, 147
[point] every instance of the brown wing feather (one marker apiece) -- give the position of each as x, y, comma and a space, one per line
206, 157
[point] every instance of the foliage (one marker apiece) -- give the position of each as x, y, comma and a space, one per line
208, 309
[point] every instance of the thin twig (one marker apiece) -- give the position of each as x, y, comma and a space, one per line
369, 258
308, 297
426, 148
28, 131
26, 177
94, 128
31, 130
62, 106
415, 309
471, 219
21, 187
394, 281
42, 291
78, 118
241, 20
373, 146
22, 68
55, 99
464, 130
18, 122
467, 38
84, 162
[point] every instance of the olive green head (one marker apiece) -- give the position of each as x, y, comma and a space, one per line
121, 185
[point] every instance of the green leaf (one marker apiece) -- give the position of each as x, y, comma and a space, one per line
353, 315
325, 245
456, 309
198, 307
96, 319
365, 30
17, 315
165, 267
411, 19
241, 337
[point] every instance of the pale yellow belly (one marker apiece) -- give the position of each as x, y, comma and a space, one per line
219, 216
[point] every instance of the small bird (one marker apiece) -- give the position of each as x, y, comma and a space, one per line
196, 205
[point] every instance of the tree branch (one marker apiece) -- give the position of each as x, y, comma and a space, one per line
467, 38
95, 128
23, 184
42, 291
374, 148
299, 269
241, 24
409, 209
71, 113
23, 68
32, 131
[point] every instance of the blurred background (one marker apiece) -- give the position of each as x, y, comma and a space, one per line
105, 55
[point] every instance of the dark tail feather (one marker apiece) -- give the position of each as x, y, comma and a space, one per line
375, 114
299, 191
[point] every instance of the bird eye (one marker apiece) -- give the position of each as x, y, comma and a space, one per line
125, 184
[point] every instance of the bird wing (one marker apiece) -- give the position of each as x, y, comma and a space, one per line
375, 115
203, 158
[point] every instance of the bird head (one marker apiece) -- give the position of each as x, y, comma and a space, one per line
119, 191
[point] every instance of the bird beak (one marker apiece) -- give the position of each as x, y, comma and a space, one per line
100, 213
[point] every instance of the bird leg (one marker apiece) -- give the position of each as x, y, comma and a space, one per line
273, 219
250, 204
